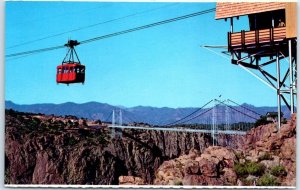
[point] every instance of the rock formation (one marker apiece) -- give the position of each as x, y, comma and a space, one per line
43, 149
264, 157
213, 167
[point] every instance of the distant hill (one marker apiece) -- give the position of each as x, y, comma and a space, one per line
146, 114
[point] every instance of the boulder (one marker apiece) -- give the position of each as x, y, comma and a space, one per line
208, 168
229, 176
131, 180
194, 180
192, 168
288, 149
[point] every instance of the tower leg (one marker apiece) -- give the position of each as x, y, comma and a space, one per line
278, 92
291, 77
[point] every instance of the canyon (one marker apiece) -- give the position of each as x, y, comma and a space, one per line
47, 149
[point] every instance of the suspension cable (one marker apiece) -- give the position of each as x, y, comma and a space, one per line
236, 110
106, 120
200, 114
172, 123
245, 108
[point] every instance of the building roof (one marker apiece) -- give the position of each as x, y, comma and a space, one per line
229, 9
273, 114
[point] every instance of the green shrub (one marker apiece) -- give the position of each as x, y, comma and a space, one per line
247, 182
246, 168
255, 168
265, 156
240, 169
267, 180
278, 171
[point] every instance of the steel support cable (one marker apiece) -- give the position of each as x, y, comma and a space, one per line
35, 51
237, 110
174, 122
119, 33
216, 46
247, 70
18, 57
63, 14
245, 108
148, 26
90, 26
200, 114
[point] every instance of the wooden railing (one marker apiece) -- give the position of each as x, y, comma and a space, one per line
255, 37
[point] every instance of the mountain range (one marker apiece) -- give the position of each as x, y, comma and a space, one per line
150, 115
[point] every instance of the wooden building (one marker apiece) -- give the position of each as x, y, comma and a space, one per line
268, 22
270, 37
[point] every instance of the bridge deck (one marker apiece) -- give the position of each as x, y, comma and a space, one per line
228, 132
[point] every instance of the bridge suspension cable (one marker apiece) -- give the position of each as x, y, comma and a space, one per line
172, 123
237, 110
245, 107
106, 120
201, 113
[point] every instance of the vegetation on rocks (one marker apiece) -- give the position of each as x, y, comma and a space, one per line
278, 171
265, 156
267, 180
248, 167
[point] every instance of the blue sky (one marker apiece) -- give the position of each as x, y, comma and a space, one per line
163, 66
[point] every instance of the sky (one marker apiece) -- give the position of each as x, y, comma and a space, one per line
163, 66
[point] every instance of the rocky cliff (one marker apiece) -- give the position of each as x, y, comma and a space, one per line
47, 149
44, 149
265, 157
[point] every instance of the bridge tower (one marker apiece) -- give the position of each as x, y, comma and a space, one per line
215, 122
271, 38
116, 117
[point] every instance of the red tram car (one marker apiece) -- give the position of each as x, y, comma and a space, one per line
70, 71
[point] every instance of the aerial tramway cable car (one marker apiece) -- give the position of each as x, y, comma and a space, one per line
70, 71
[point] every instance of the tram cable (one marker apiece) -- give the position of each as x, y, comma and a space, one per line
92, 25
117, 33
148, 26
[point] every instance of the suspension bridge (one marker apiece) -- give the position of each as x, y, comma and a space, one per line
214, 118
